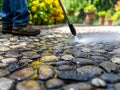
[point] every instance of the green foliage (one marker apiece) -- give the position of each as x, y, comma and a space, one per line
82, 4
71, 6
101, 13
109, 14
90, 8
117, 6
0, 9
104, 4
116, 16
117, 22
79, 5
75, 19
45, 12
0, 3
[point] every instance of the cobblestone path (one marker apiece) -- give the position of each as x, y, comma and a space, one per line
52, 61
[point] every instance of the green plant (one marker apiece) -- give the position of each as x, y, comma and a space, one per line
116, 15
71, 6
0, 3
116, 18
117, 6
104, 4
81, 4
45, 12
90, 8
101, 13
109, 15
0, 9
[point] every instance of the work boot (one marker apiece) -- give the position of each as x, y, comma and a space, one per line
7, 29
25, 30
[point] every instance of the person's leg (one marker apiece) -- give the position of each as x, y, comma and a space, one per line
6, 17
21, 19
20, 12
15, 13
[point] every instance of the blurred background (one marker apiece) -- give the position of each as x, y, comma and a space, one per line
84, 12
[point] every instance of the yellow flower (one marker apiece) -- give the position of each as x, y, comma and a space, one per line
61, 16
49, 11
45, 19
30, 22
30, 16
56, 3
51, 1
43, 4
35, 3
35, 16
34, 8
60, 10
55, 11
52, 19
51, 6
58, 18
47, 2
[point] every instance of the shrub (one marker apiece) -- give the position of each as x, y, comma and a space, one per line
117, 6
45, 12
101, 13
90, 8
116, 16
109, 15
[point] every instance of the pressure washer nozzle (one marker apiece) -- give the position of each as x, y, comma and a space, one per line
72, 29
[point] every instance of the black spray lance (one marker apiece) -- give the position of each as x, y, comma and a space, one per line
72, 29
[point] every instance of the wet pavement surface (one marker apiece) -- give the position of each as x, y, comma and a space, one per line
52, 61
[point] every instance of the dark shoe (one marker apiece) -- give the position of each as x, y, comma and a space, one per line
27, 30
7, 29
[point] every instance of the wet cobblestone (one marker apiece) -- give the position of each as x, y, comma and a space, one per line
51, 61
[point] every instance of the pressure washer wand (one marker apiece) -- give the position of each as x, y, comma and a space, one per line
72, 29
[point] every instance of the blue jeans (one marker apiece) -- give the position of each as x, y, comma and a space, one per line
15, 13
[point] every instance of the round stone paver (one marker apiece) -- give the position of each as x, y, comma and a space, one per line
49, 58
45, 72
4, 48
78, 86
110, 78
54, 83
98, 82
12, 54
66, 67
67, 57
22, 74
91, 71
4, 72
3, 65
6, 84
31, 55
9, 60
28, 85
83, 61
116, 60
110, 67
117, 86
